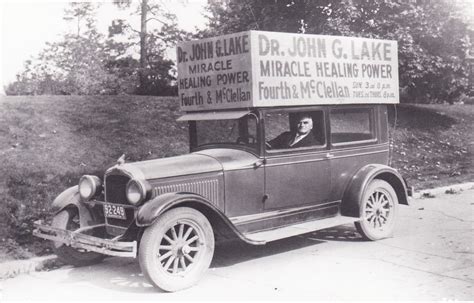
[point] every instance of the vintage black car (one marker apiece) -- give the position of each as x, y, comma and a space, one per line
288, 135
169, 212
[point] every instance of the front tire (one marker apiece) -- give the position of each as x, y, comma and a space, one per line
177, 249
378, 211
67, 219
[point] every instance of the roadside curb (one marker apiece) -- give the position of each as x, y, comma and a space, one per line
14, 268
442, 190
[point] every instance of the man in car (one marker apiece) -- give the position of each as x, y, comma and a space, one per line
303, 136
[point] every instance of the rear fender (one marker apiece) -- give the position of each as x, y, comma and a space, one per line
71, 198
355, 190
222, 226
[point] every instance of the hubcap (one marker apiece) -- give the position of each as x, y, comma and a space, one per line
378, 209
179, 248
185, 250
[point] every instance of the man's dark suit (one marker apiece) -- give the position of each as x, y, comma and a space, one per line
285, 139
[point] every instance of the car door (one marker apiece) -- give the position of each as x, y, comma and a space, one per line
296, 176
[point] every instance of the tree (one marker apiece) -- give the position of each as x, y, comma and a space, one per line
433, 40
81, 57
83, 14
433, 36
86, 62
77, 64
269, 15
154, 71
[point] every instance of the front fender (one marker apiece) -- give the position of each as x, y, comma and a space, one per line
355, 190
71, 197
151, 211
68, 197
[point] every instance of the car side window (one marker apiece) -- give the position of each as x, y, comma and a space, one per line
351, 125
289, 130
276, 124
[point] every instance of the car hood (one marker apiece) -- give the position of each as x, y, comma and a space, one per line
206, 161
169, 167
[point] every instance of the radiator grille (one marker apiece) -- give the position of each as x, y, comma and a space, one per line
115, 189
205, 188
115, 186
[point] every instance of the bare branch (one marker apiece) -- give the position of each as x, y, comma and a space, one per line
154, 10
132, 29
156, 19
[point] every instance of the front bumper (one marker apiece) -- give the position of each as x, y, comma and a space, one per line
78, 239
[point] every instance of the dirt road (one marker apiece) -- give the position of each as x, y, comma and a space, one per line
430, 258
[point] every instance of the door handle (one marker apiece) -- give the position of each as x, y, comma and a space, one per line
259, 163
329, 155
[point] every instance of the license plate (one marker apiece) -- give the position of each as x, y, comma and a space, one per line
114, 211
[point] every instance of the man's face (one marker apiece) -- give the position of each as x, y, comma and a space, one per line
305, 124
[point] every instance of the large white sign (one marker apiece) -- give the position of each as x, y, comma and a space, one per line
259, 69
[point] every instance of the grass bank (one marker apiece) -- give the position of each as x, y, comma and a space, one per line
48, 142
434, 144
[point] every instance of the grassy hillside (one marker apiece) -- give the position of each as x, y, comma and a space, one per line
48, 142
434, 144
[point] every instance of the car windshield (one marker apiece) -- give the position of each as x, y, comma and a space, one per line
242, 132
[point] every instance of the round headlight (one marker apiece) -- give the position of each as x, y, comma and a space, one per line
137, 191
88, 186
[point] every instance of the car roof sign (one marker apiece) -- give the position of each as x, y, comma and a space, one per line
267, 69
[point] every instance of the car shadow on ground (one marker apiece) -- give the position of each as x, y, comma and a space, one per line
230, 253
124, 274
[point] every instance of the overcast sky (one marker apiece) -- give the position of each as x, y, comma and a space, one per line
26, 26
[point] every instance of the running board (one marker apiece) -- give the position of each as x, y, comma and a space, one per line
298, 229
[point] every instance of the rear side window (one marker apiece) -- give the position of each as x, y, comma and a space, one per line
352, 125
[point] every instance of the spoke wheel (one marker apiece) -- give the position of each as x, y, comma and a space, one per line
68, 219
378, 211
177, 249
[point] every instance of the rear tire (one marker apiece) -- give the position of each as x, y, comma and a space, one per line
67, 220
378, 211
177, 249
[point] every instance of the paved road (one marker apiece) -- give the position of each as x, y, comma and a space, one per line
430, 258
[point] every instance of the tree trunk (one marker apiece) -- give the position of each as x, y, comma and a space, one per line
143, 47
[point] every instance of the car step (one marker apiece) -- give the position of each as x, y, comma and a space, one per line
298, 229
